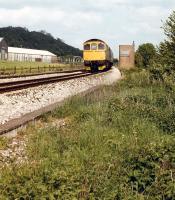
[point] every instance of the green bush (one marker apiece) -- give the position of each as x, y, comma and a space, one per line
152, 171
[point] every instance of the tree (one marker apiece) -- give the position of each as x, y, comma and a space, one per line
145, 55
164, 67
166, 49
138, 59
115, 61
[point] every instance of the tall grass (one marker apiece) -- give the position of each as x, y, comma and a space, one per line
11, 64
118, 143
16, 67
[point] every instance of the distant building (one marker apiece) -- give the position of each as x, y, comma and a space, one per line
3, 49
30, 55
127, 56
70, 59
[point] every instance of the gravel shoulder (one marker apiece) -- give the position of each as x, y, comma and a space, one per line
16, 104
35, 77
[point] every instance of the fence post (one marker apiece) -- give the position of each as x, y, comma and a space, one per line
14, 70
22, 70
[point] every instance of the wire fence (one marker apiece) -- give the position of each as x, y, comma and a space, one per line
20, 70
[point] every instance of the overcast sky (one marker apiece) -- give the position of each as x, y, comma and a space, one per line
74, 21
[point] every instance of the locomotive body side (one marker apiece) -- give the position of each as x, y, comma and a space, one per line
97, 55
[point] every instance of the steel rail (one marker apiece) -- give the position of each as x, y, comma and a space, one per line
14, 124
23, 84
43, 73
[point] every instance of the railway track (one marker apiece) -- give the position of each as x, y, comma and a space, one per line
23, 84
13, 124
36, 74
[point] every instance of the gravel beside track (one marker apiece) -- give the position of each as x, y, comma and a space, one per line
14, 105
38, 76
23, 84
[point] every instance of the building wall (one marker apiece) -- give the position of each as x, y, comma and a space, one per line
16, 55
31, 57
3, 50
127, 56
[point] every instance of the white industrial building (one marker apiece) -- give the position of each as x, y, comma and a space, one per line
30, 55
22, 54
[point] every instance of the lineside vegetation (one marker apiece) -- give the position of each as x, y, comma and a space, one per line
16, 67
118, 143
11, 64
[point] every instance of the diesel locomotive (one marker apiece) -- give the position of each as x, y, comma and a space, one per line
97, 55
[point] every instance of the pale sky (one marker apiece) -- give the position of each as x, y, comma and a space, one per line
74, 21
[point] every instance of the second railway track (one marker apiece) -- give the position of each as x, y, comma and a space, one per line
37, 74
23, 84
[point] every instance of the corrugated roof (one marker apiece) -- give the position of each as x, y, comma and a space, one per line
1, 39
30, 51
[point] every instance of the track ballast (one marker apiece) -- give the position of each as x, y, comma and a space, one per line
23, 84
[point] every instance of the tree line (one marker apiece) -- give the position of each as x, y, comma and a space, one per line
22, 37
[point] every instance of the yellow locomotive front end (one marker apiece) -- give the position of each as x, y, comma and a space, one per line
97, 55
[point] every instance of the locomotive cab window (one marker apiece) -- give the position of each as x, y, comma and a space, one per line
87, 47
93, 46
101, 46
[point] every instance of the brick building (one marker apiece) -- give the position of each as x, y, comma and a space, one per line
127, 56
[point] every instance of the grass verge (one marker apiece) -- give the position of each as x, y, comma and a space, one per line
9, 67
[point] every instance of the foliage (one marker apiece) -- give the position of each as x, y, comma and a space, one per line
118, 144
22, 37
164, 67
116, 61
145, 55
3, 142
163, 73
138, 59
167, 48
